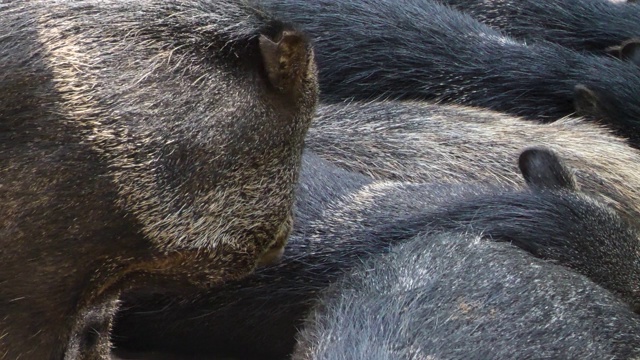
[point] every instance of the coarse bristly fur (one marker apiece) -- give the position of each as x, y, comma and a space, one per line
343, 217
457, 296
591, 25
142, 144
419, 142
421, 49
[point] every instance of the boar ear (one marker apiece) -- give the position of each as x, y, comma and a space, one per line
586, 101
285, 59
630, 51
543, 169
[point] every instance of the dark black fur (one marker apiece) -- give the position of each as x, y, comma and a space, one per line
455, 296
137, 141
579, 234
420, 49
590, 25
344, 217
